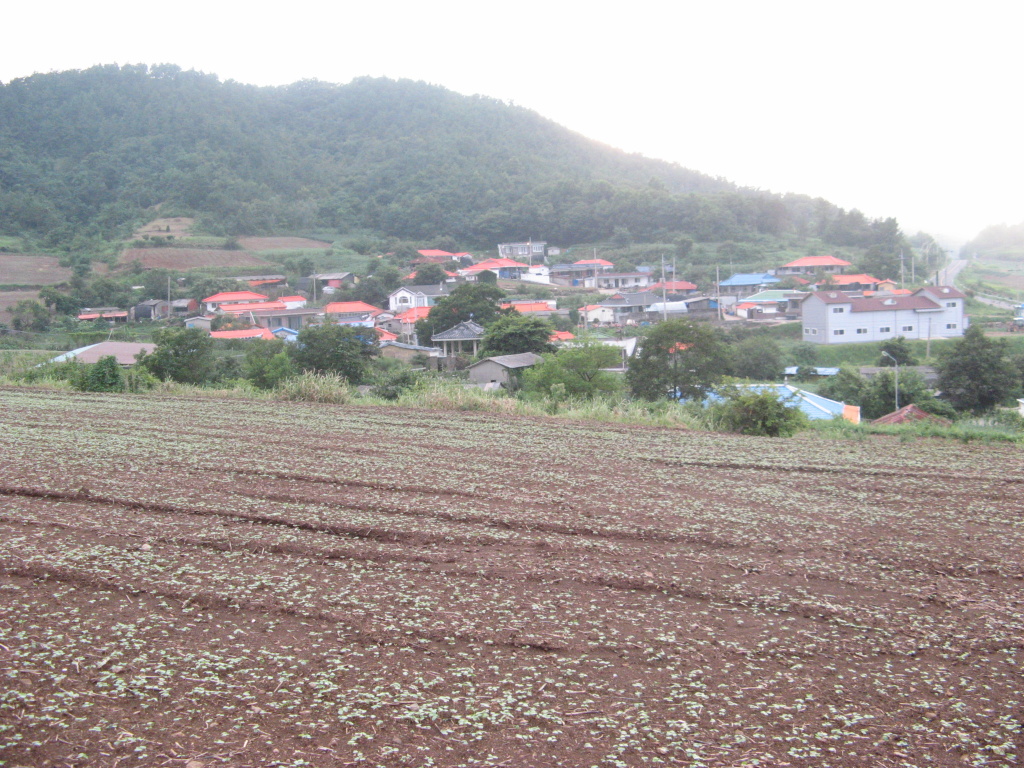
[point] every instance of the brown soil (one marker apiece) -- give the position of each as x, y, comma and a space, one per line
190, 258
281, 243
257, 584
177, 227
31, 269
9, 298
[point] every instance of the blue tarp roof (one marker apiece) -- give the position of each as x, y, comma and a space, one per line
814, 406
744, 278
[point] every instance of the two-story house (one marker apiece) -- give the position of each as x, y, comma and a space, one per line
833, 317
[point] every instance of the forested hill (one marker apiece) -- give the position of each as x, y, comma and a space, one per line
92, 152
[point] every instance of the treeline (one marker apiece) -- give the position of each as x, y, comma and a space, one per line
87, 155
995, 240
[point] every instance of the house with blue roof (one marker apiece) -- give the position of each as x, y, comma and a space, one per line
815, 407
744, 284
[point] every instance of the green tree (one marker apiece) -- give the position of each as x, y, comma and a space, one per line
267, 363
678, 358
515, 333
182, 354
755, 412
574, 371
847, 386
974, 372
29, 315
471, 301
757, 359
880, 393
429, 274
332, 348
899, 348
103, 376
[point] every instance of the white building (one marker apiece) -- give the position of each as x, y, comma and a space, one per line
410, 296
833, 317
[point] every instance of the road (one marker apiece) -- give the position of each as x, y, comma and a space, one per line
950, 273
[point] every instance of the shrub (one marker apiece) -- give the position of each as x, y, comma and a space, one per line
314, 387
751, 412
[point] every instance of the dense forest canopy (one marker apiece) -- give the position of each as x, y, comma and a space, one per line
90, 154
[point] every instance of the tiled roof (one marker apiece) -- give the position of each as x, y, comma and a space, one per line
674, 285
528, 306
232, 309
251, 333
464, 331
435, 252
413, 314
561, 336
248, 296
595, 262
350, 308
818, 261
524, 360
495, 264
851, 279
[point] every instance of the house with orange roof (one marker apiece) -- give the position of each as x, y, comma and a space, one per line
244, 308
860, 282
506, 269
293, 302
542, 308
351, 309
227, 298
674, 287
558, 336
249, 334
811, 265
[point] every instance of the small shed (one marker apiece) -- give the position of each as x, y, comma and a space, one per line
502, 370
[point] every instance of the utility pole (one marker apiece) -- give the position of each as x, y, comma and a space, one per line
664, 300
897, 364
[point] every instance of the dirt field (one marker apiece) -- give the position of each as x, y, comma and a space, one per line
31, 269
9, 298
177, 227
281, 244
223, 582
190, 258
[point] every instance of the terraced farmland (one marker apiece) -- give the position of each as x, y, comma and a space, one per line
204, 583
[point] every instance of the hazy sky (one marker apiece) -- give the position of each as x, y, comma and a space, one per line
906, 109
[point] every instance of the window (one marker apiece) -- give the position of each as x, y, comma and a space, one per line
807, 331
906, 328
403, 299
838, 310
839, 332
885, 329
862, 330
951, 304
950, 326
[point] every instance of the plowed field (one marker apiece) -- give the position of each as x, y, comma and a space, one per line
204, 583
281, 243
190, 258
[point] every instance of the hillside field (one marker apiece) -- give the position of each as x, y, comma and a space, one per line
207, 582
183, 259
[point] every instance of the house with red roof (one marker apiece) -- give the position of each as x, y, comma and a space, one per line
241, 309
834, 317
857, 283
561, 336
351, 309
542, 308
674, 287
811, 265
596, 314
506, 269
248, 334
227, 298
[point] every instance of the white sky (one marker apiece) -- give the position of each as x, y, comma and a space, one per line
899, 108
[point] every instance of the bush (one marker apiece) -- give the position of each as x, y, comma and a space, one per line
314, 387
103, 376
751, 412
